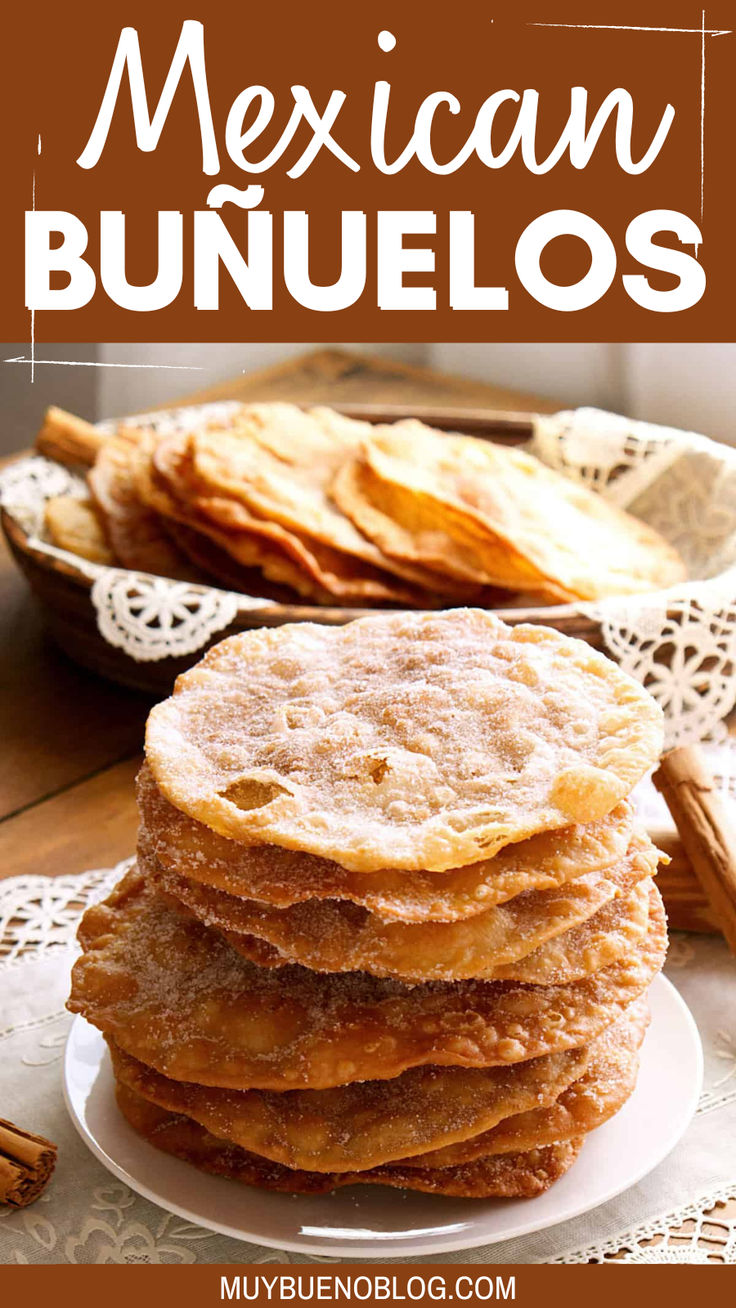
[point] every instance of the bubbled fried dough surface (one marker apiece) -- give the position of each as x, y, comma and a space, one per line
509, 1176
586, 1104
175, 485
336, 936
403, 740
75, 524
521, 1176
612, 933
279, 462
135, 531
265, 546
365, 1123
176, 996
283, 877
406, 526
527, 520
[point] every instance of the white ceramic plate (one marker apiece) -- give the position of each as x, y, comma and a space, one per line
373, 1222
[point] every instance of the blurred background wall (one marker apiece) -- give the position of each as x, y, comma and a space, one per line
692, 386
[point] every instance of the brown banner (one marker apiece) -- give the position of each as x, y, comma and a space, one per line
568, 171
367, 1283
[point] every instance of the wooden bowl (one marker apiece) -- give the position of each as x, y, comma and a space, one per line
63, 588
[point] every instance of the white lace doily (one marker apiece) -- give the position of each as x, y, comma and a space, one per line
86, 1216
681, 643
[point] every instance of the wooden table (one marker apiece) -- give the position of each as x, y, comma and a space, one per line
72, 743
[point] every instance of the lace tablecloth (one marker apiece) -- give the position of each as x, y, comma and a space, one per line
683, 1212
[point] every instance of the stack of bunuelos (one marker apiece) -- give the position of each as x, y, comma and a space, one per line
392, 919
312, 505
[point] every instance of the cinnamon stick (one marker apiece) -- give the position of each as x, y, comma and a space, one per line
68, 439
26, 1164
706, 830
685, 900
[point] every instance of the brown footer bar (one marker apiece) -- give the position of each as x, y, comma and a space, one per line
364, 1283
